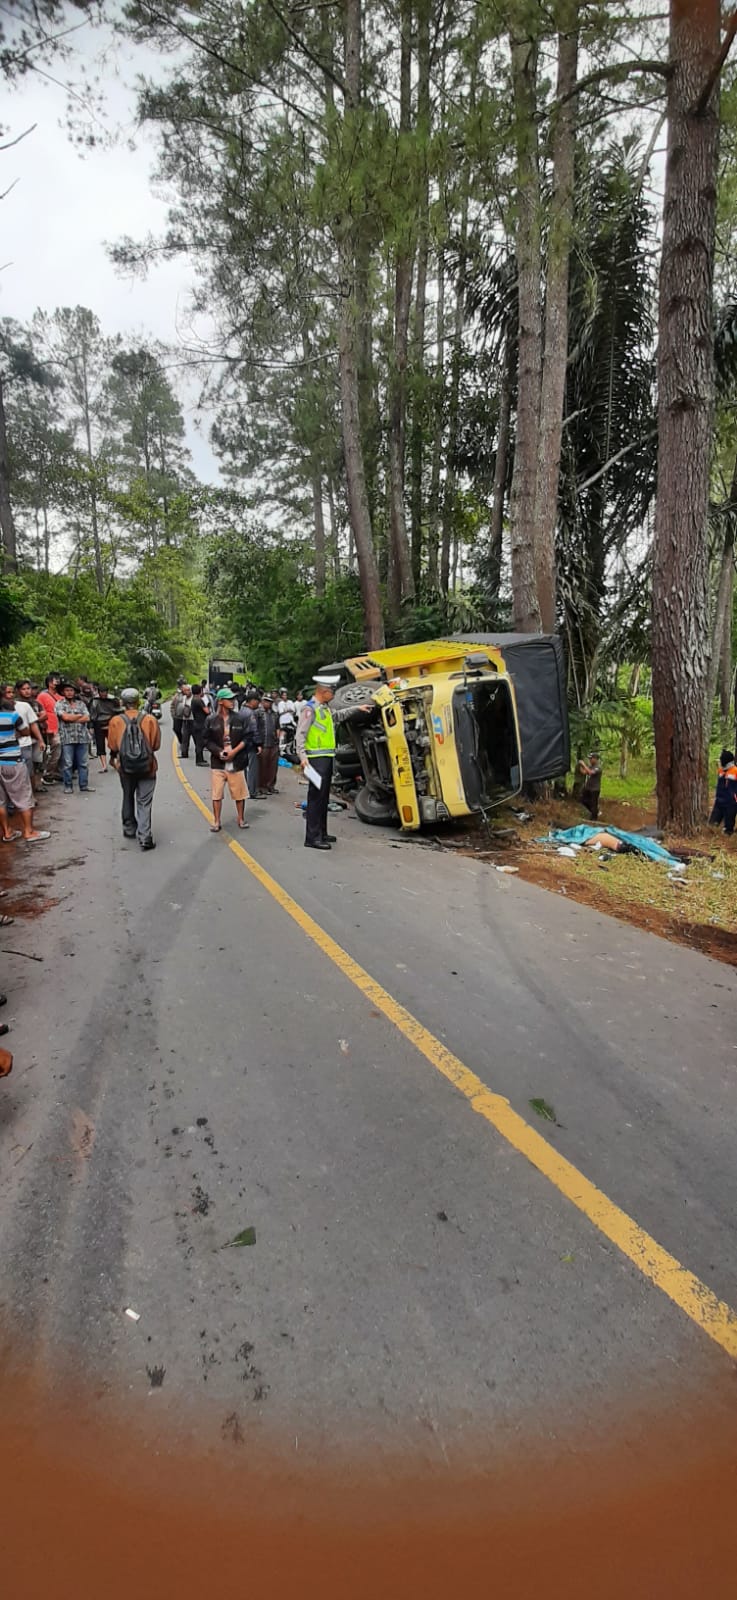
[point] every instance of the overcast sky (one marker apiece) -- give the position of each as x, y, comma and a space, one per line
65, 207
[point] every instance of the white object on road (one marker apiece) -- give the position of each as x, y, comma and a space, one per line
566, 850
507, 869
313, 776
135, 1316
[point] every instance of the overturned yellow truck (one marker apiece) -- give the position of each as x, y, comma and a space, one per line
456, 725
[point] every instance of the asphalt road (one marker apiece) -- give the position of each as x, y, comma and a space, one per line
190, 1063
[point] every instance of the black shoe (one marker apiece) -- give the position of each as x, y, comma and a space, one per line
201, 763
329, 838
129, 833
148, 844
321, 844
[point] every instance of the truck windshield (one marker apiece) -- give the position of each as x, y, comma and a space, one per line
486, 742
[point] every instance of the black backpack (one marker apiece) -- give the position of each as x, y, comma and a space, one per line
135, 752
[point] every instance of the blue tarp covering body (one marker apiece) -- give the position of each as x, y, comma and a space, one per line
639, 841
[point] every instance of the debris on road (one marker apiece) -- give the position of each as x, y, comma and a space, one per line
245, 1237
544, 1110
508, 869
135, 1316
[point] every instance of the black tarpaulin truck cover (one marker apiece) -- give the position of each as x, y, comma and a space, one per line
535, 664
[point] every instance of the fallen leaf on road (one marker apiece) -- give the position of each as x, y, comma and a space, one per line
544, 1110
246, 1236
567, 1258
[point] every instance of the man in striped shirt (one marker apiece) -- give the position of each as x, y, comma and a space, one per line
15, 784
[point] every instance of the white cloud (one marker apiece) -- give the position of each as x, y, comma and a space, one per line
64, 209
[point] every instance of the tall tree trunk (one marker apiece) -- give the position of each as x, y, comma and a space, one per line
318, 519
7, 522
334, 533
417, 442
501, 464
348, 349
402, 560
680, 651
99, 573
555, 348
456, 359
725, 659
525, 604
433, 510
722, 623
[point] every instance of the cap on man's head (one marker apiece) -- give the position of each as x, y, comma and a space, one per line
327, 680
129, 697
225, 694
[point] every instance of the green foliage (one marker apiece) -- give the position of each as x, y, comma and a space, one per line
260, 591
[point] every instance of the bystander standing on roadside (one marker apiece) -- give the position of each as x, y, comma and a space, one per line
199, 718
724, 810
102, 709
269, 758
251, 713
186, 720
31, 738
74, 722
48, 700
177, 702
591, 791
226, 738
15, 784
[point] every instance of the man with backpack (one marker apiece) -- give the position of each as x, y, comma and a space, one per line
133, 737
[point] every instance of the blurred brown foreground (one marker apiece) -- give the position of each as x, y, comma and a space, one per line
98, 1508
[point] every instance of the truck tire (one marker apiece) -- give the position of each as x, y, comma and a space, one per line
375, 808
347, 762
355, 694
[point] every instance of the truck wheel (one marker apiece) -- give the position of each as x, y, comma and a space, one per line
375, 808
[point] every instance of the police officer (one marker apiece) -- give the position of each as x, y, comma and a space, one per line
316, 748
725, 799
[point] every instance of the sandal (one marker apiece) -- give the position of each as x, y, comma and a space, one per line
38, 838
6, 922
9, 837
216, 827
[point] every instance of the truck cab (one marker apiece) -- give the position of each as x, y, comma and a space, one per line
442, 739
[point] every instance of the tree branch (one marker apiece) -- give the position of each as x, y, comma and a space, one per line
322, 66
633, 445
701, 104
614, 74
11, 142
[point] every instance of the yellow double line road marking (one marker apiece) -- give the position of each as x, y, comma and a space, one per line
712, 1315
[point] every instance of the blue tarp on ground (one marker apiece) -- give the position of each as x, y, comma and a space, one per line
639, 841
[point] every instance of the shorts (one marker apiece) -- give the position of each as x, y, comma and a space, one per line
15, 785
100, 732
236, 782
